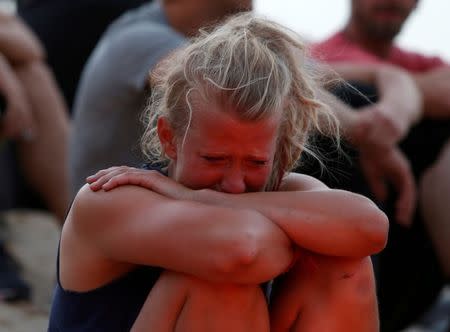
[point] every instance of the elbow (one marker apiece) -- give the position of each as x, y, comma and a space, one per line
375, 227
259, 249
249, 247
379, 233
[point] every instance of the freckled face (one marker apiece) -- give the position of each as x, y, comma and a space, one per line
224, 153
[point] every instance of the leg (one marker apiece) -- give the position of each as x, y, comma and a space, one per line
322, 294
434, 194
44, 158
183, 303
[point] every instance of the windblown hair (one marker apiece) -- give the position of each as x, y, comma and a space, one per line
251, 65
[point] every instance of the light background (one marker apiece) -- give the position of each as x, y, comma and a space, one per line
426, 31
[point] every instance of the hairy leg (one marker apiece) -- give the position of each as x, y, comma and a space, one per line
322, 294
183, 303
433, 195
43, 159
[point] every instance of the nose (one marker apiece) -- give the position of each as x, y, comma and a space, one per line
233, 182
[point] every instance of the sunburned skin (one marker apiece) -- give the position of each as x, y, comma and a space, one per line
236, 157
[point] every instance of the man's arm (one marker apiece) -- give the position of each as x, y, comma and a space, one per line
435, 87
399, 103
375, 138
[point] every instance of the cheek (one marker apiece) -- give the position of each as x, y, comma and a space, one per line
256, 181
196, 176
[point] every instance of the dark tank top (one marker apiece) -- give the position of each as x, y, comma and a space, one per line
113, 307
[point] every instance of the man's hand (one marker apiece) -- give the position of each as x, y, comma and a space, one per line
17, 121
400, 100
373, 127
114, 177
388, 165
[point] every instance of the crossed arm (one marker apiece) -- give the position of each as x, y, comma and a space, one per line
243, 238
376, 129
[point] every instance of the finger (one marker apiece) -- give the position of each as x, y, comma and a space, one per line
407, 196
98, 174
391, 124
97, 183
11, 124
105, 172
403, 181
378, 187
375, 181
138, 178
18, 123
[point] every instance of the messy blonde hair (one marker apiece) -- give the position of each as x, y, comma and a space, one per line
251, 65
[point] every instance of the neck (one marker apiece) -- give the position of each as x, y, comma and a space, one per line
357, 35
187, 17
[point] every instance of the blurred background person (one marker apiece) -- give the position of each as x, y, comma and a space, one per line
112, 90
368, 39
33, 130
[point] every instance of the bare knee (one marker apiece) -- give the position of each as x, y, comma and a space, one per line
220, 292
340, 289
334, 278
352, 281
230, 307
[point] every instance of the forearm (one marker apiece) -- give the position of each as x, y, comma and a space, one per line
399, 94
328, 222
397, 90
210, 242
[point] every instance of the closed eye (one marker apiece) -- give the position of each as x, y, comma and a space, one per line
259, 162
214, 159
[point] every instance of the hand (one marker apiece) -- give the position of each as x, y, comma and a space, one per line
114, 177
400, 101
387, 128
374, 126
389, 165
17, 123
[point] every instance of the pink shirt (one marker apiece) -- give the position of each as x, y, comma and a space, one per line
339, 49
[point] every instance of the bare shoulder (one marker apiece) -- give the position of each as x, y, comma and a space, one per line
301, 182
94, 225
93, 211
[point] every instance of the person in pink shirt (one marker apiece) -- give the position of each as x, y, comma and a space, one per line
341, 48
368, 38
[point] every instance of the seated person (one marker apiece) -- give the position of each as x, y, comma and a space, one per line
33, 133
110, 101
219, 213
417, 259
